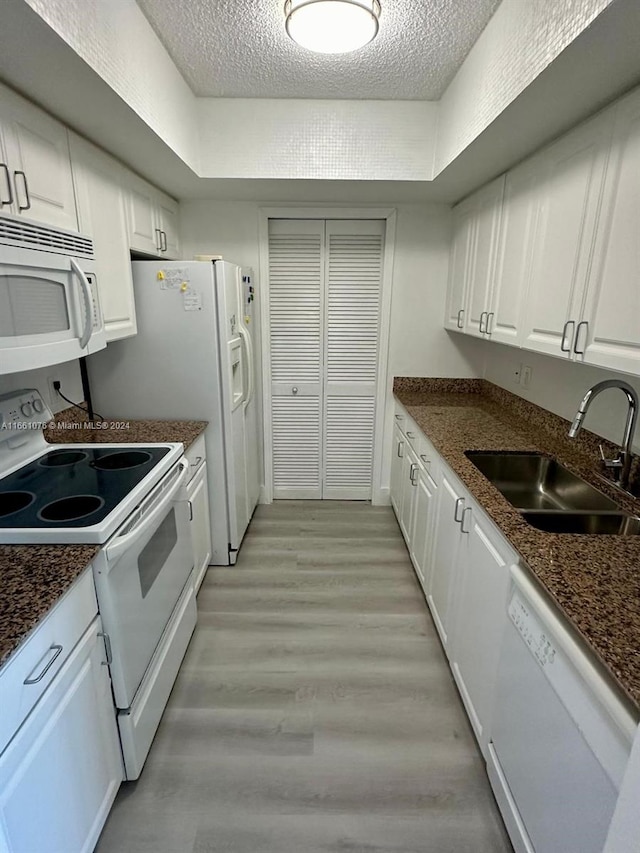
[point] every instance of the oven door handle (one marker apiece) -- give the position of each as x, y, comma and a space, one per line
123, 542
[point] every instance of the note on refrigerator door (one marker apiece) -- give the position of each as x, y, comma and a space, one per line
192, 300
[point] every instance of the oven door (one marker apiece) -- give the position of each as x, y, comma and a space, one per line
49, 310
140, 574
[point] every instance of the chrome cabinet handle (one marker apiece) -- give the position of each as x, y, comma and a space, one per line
190, 510
564, 335
163, 241
459, 503
400, 445
158, 240
398, 417
575, 343
26, 190
485, 315
412, 470
459, 323
425, 459
410, 434
57, 649
7, 176
196, 462
107, 648
464, 515
490, 316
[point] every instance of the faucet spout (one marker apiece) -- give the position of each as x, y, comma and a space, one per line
623, 462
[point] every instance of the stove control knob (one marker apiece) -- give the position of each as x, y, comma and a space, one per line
38, 406
26, 409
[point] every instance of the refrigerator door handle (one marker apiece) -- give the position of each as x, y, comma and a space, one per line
248, 352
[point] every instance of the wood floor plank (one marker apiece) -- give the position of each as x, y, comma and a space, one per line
315, 710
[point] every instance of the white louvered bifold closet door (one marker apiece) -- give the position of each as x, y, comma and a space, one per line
325, 281
353, 291
296, 300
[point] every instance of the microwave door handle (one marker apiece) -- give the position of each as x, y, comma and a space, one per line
123, 542
88, 303
248, 352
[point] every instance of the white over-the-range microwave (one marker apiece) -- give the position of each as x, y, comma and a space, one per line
49, 305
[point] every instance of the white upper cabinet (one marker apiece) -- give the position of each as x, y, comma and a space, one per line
612, 307
562, 276
100, 182
35, 167
459, 263
487, 208
571, 173
515, 247
153, 220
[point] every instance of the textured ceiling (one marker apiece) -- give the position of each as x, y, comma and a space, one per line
239, 49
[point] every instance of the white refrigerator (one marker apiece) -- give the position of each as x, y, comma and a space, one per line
193, 358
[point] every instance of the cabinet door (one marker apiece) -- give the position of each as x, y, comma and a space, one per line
61, 772
612, 306
422, 525
459, 262
395, 484
479, 618
571, 174
409, 484
444, 559
37, 156
167, 219
198, 496
487, 206
144, 232
515, 247
102, 212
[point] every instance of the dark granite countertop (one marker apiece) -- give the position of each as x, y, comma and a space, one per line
72, 426
34, 577
594, 580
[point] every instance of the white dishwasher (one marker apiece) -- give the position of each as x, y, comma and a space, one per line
560, 735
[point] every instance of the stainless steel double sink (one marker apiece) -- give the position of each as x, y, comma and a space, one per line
550, 497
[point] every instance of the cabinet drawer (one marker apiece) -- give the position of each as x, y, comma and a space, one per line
196, 456
43, 655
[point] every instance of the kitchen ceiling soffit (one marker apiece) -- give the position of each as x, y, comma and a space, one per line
240, 49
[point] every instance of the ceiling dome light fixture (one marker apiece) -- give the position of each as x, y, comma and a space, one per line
332, 26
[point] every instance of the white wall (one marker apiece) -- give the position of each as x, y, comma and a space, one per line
519, 42
346, 140
115, 39
559, 385
68, 374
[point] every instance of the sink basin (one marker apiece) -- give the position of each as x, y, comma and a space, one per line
531, 481
614, 524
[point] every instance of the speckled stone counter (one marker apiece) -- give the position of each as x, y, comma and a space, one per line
32, 580
34, 577
72, 426
594, 580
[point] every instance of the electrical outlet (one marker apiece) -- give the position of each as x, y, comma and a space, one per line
517, 376
527, 373
54, 398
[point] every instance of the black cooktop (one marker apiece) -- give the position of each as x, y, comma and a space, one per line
73, 487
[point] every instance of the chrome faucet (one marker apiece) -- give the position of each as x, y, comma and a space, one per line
622, 463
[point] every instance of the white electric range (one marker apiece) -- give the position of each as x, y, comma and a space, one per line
128, 498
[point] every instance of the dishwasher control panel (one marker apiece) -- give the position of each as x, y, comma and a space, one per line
531, 631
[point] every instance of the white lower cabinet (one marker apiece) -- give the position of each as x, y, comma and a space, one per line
462, 562
479, 615
198, 495
395, 483
62, 770
446, 542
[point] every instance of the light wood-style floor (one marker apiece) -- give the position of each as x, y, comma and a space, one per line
314, 710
